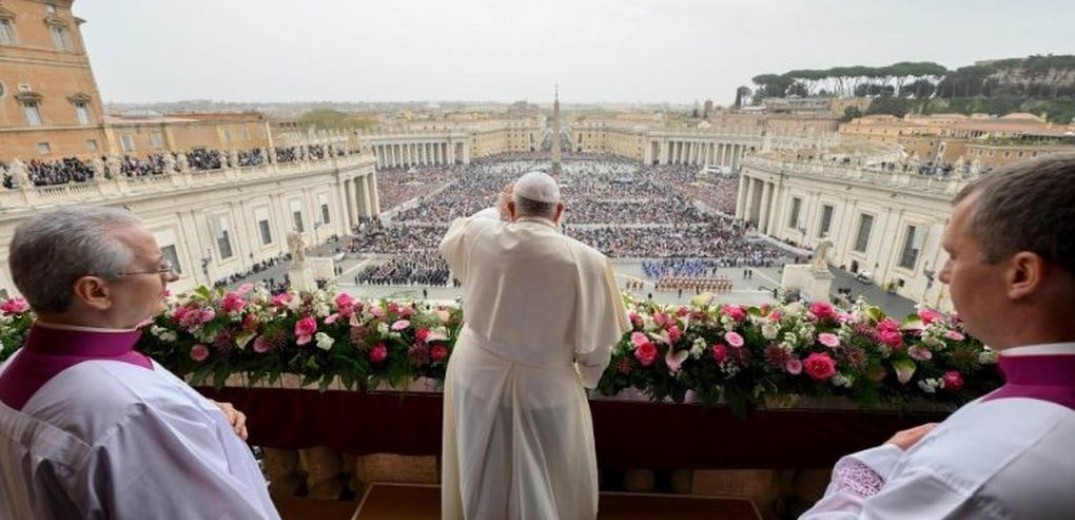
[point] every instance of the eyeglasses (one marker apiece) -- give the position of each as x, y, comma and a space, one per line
166, 268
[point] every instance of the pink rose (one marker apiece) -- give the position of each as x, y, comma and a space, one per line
888, 324
393, 307
438, 352
245, 289
822, 310
378, 353
953, 381
734, 312
281, 300
794, 366
929, 315
15, 306
720, 352
406, 312
232, 302
261, 345
828, 339
344, 300
821, 367
199, 352
775, 317
674, 334
377, 312
421, 334
636, 320
662, 319
734, 339
304, 330
646, 354
892, 338
682, 311
401, 325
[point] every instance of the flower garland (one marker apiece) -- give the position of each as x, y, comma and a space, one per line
715, 354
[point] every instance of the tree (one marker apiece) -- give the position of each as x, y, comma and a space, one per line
741, 94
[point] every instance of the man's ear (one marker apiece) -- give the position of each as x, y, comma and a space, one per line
1025, 274
559, 212
511, 209
93, 292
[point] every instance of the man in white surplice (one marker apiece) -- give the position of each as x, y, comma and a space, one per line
542, 312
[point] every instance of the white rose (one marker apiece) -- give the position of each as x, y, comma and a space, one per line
324, 341
769, 331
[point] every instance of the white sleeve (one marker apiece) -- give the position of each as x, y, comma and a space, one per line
865, 486
174, 464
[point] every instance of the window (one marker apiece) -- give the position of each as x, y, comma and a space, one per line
82, 112
912, 246
296, 217
44, 148
796, 206
33, 115
60, 40
322, 201
156, 140
261, 216
222, 236
7, 32
127, 141
50, 9
863, 238
266, 232
91, 145
826, 221
172, 257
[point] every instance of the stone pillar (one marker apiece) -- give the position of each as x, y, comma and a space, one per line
766, 207
750, 205
375, 199
741, 199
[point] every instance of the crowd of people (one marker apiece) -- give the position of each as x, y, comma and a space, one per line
427, 269
697, 284
73, 169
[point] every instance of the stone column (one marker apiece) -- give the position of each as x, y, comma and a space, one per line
741, 199
375, 200
766, 207
750, 204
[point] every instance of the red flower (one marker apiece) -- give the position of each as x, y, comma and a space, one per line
378, 353
720, 352
821, 367
15, 306
822, 310
646, 353
421, 334
735, 312
953, 381
232, 302
438, 352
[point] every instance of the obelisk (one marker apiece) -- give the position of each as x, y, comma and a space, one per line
556, 168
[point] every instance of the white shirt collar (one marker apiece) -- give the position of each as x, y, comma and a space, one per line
78, 328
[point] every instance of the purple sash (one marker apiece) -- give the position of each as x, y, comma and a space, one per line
50, 351
1047, 377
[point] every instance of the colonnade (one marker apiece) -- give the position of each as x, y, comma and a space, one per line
427, 153
696, 152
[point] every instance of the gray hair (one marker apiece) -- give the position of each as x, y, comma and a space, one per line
1028, 206
52, 250
525, 207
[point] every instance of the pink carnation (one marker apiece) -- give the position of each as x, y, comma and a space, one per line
734, 339
954, 335
638, 339
378, 353
821, 367
199, 352
794, 366
401, 325
828, 339
14, 306
646, 354
377, 312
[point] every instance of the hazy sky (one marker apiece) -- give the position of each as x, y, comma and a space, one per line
506, 50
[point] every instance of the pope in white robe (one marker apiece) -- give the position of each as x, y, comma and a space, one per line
542, 312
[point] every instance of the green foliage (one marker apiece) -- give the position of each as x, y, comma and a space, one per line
325, 119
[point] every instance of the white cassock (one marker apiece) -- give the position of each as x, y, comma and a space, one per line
1002, 459
106, 439
542, 312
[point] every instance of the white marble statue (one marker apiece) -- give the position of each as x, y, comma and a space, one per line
297, 244
820, 263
